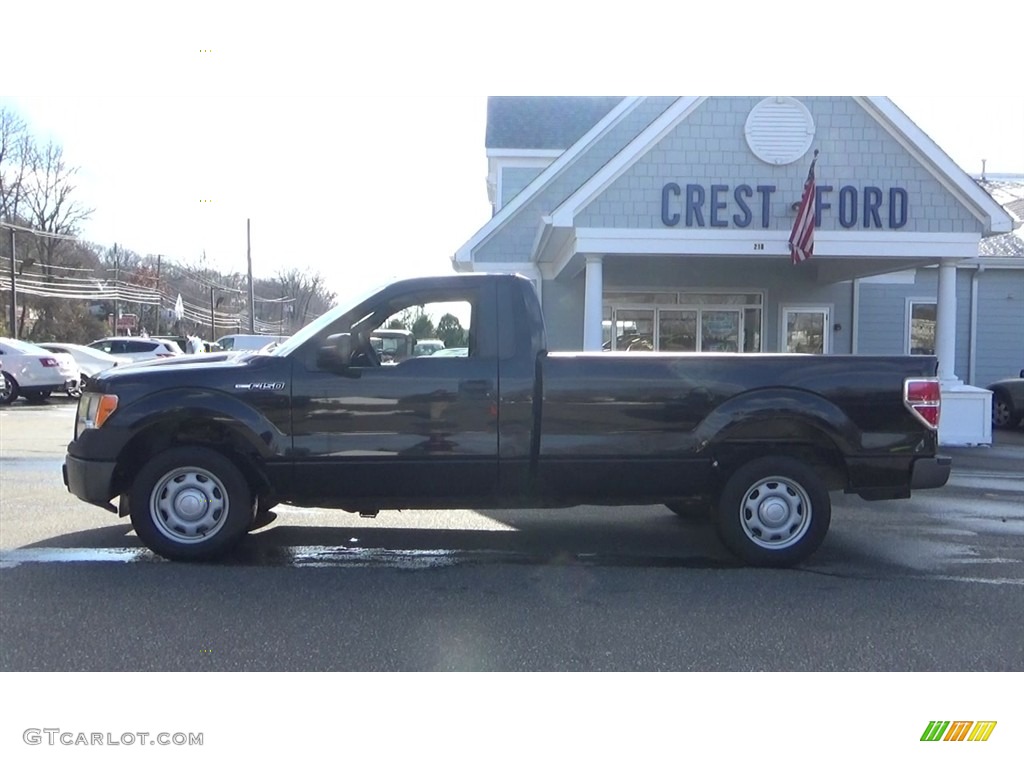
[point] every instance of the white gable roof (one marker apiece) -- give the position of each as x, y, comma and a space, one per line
994, 218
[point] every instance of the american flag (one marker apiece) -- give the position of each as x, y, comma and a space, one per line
801, 239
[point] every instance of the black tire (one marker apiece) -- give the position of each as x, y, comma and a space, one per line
773, 511
264, 516
1003, 416
10, 393
696, 509
190, 503
36, 397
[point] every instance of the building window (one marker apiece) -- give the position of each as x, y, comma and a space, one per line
682, 322
921, 330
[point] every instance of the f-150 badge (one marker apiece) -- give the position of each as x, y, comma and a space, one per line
261, 386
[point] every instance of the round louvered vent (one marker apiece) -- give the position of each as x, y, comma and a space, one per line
779, 130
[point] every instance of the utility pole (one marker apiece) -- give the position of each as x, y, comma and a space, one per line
252, 293
159, 297
117, 289
213, 318
14, 291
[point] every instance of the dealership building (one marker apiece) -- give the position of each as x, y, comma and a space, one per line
663, 223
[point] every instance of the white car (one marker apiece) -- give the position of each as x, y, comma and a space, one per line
137, 348
452, 352
246, 342
35, 373
91, 362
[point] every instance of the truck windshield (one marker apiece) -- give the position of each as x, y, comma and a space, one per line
316, 326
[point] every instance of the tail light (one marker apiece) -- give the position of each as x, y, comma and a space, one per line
923, 398
49, 362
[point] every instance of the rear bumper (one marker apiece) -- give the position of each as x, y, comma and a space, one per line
90, 481
931, 473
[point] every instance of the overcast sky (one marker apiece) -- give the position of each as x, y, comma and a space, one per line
185, 124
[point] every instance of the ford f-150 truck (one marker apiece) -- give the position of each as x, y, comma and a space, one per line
196, 449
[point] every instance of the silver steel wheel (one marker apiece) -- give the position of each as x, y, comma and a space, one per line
189, 505
1000, 412
775, 512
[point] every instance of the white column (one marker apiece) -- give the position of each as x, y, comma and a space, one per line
592, 337
945, 326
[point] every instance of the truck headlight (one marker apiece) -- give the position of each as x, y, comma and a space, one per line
93, 410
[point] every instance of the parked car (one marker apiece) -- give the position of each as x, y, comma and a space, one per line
427, 347
91, 362
452, 352
134, 348
245, 342
33, 372
182, 342
1008, 402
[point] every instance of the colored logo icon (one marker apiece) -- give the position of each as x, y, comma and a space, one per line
958, 730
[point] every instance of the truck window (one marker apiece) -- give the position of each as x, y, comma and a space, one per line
445, 328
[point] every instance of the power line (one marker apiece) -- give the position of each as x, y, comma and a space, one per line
37, 232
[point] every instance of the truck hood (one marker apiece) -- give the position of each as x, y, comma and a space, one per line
193, 360
213, 370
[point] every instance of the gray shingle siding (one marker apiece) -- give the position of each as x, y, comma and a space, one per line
514, 241
709, 147
515, 180
543, 122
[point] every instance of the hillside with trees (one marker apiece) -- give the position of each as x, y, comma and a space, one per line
71, 290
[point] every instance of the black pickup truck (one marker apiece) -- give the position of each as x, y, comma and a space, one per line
197, 449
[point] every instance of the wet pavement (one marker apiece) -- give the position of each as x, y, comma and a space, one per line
1005, 455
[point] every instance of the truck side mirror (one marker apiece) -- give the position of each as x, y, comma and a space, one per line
336, 353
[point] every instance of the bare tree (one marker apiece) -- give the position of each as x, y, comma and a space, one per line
308, 292
14, 143
49, 201
45, 203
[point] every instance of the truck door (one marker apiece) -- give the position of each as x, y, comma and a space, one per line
414, 432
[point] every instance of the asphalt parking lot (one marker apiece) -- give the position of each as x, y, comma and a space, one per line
1006, 454
931, 583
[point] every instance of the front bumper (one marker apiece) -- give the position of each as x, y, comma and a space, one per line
931, 473
90, 481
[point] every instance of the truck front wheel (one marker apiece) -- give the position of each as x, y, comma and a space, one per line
190, 503
773, 511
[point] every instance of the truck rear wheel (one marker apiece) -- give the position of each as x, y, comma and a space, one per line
773, 511
190, 503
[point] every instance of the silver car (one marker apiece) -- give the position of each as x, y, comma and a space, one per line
91, 362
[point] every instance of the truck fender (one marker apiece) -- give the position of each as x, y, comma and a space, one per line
784, 413
170, 407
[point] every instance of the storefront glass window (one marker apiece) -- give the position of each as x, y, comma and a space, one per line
677, 330
720, 331
639, 298
634, 330
922, 328
752, 330
685, 322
